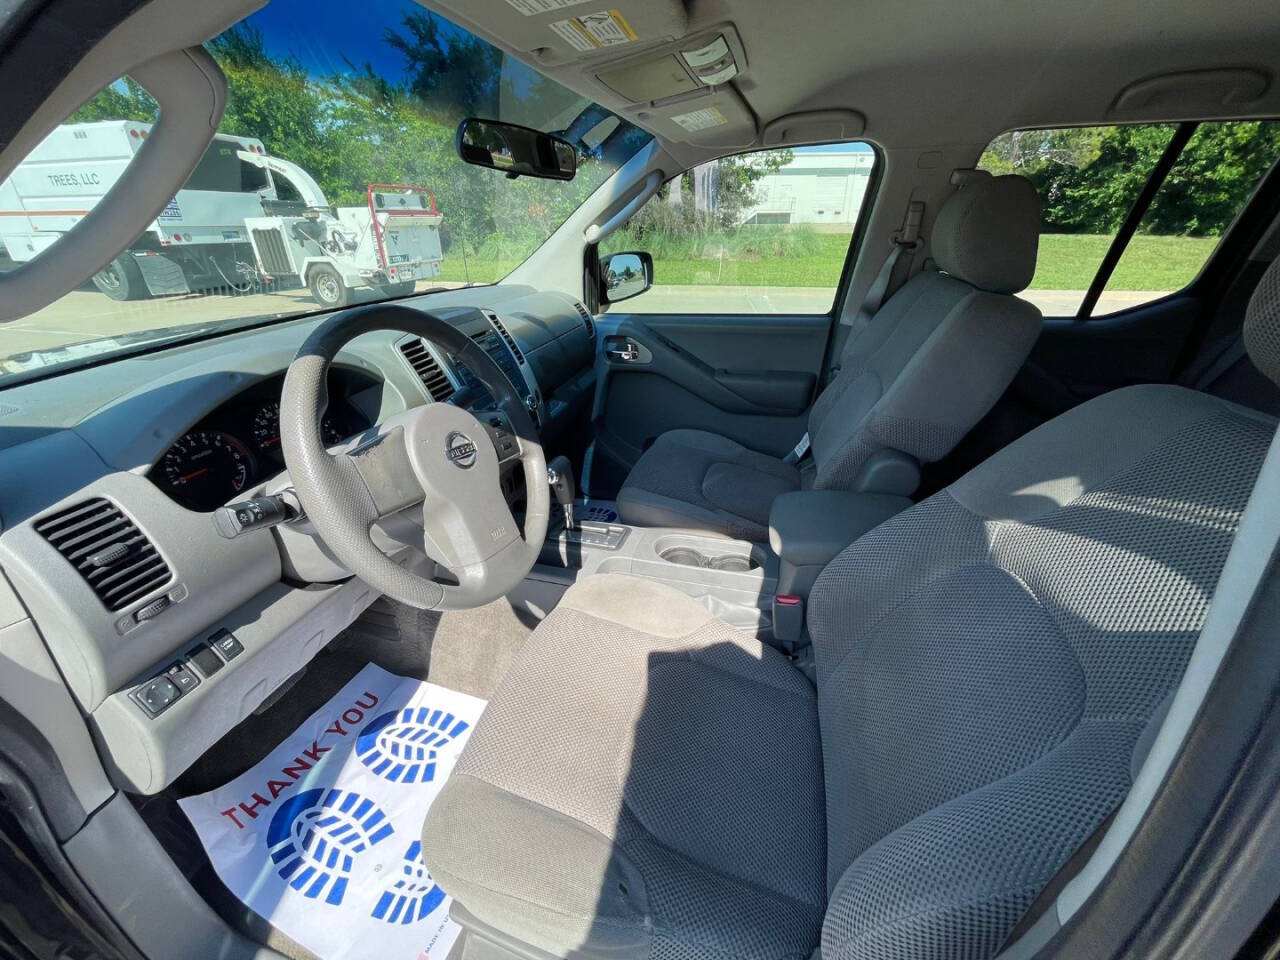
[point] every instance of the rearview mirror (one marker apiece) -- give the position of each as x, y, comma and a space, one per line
515, 150
625, 275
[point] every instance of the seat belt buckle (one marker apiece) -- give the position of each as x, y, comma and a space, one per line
788, 622
799, 450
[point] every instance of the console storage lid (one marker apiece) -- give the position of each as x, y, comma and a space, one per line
807, 528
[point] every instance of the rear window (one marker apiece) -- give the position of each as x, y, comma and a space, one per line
1132, 213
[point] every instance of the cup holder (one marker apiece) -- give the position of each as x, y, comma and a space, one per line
733, 564
685, 556
728, 563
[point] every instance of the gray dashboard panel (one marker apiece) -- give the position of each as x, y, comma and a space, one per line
96, 432
94, 655
281, 629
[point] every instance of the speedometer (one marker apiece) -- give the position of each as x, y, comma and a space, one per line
266, 429
206, 468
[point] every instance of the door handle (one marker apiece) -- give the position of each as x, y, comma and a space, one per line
627, 352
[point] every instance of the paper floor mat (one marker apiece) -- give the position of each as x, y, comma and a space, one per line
322, 838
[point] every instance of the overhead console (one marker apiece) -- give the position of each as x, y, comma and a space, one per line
556, 32
636, 57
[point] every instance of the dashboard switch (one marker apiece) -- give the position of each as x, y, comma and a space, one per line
157, 694
152, 609
206, 661
182, 678
225, 642
256, 514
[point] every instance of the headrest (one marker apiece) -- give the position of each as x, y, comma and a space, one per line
1262, 324
988, 232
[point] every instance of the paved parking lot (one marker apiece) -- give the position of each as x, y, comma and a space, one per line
86, 314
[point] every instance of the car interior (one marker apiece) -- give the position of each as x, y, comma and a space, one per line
616, 602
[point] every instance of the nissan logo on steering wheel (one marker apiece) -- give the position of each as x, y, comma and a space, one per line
459, 450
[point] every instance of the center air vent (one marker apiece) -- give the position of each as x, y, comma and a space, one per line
586, 320
428, 369
511, 341
112, 555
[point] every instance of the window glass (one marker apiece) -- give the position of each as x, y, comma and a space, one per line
762, 232
1088, 179
328, 117
1206, 188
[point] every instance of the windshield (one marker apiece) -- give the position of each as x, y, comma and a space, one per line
334, 180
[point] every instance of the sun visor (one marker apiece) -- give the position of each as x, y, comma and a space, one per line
710, 116
563, 31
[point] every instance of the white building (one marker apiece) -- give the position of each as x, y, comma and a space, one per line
819, 185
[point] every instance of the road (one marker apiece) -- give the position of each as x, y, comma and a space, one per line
84, 314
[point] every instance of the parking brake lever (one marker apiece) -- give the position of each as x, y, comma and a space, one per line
560, 477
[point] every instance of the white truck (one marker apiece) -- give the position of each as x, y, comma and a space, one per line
390, 243
242, 219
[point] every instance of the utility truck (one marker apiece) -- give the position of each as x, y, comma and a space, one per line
242, 220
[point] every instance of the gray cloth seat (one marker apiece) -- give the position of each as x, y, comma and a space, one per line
643, 786
924, 370
990, 663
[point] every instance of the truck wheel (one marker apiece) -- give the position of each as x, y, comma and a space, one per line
121, 279
401, 289
327, 288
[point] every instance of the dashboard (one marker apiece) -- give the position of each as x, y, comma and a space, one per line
143, 448
237, 446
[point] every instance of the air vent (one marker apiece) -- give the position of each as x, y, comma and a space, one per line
511, 341
115, 558
428, 370
586, 320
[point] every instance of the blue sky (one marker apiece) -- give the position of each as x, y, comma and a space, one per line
308, 30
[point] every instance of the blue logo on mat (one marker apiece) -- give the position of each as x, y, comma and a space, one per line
401, 746
413, 895
315, 837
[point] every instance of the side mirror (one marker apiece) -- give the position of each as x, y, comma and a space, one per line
625, 275
515, 150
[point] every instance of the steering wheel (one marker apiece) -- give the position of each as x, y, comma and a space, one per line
436, 455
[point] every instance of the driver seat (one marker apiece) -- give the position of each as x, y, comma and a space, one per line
647, 782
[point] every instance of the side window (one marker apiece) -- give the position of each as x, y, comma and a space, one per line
1109, 243
285, 190
1207, 187
762, 232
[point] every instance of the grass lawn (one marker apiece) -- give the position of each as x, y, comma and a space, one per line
1069, 261
1066, 262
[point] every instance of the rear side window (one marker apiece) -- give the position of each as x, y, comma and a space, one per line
1131, 213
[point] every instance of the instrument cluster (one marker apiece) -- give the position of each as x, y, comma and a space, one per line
238, 445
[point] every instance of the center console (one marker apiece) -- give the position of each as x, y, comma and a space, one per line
733, 579
761, 589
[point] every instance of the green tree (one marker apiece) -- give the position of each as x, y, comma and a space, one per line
123, 100
453, 73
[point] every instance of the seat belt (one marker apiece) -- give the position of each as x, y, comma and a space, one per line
905, 241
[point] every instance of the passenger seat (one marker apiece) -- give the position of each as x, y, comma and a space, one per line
930, 363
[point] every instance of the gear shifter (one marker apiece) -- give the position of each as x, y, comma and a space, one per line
560, 476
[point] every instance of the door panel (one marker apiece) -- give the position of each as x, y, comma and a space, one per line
793, 343
747, 378
1082, 359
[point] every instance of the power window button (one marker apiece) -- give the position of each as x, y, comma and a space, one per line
225, 642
